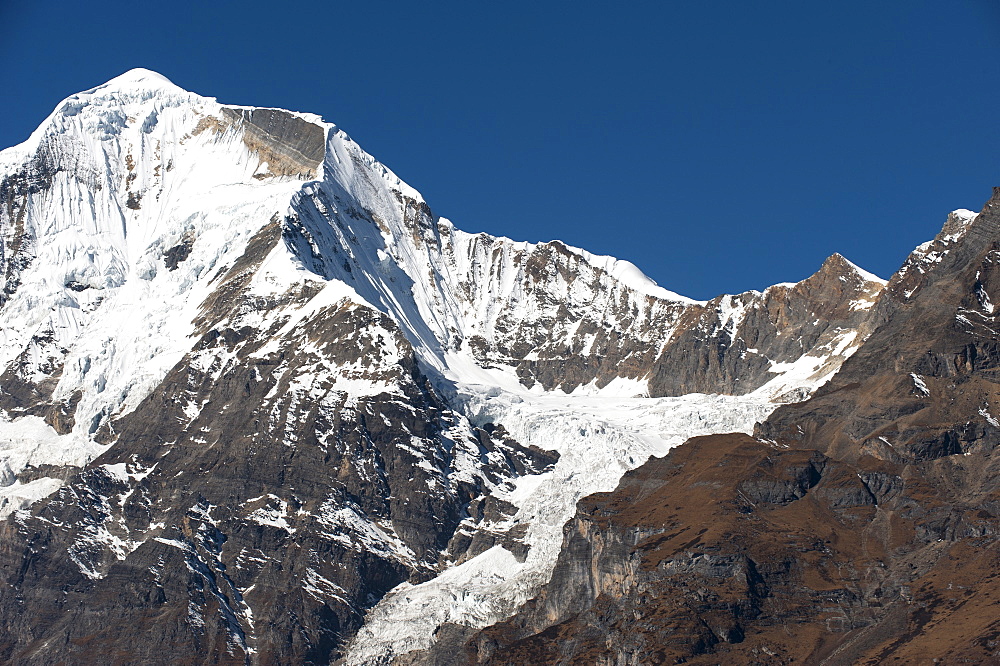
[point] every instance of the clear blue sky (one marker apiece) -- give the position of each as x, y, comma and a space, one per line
721, 146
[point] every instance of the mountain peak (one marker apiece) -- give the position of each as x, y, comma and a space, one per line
839, 275
134, 87
137, 79
841, 265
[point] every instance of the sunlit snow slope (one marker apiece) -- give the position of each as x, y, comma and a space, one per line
98, 205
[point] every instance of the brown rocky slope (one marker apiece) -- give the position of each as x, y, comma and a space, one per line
858, 527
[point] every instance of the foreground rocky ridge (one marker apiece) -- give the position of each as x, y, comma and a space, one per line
253, 381
856, 527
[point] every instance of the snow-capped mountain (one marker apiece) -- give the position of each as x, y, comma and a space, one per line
860, 526
248, 375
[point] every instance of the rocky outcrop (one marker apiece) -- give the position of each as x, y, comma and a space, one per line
734, 344
925, 384
584, 328
285, 144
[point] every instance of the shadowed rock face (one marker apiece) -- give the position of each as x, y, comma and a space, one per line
858, 527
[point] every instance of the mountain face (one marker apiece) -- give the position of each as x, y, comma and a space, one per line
260, 405
859, 526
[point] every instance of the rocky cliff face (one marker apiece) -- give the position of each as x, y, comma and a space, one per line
737, 344
856, 527
258, 402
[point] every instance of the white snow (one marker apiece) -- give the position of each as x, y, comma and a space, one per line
629, 274
797, 380
862, 273
274, 513
731, 311
985, 413
99, 288
322, 589
353, 530
984, 299
132, 320
30, 441
21, 495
